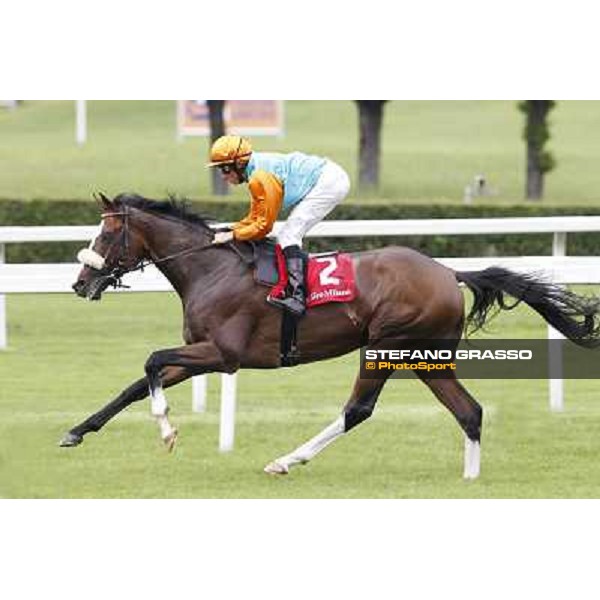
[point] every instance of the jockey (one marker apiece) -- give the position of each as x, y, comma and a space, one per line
310, 186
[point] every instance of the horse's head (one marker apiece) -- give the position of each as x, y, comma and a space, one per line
116, 250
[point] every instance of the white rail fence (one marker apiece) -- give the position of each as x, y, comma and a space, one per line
51, 278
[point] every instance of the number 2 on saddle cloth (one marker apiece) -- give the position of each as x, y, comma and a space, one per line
329, 278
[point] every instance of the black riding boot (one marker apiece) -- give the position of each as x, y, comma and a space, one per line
294, 300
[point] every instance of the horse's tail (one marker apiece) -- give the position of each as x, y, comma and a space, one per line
576, 317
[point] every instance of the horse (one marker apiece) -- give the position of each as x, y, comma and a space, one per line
402, 295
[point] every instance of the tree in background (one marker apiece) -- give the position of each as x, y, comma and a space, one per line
536, 134
217, 129
370, 116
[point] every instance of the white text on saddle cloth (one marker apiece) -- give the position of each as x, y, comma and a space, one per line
330, 279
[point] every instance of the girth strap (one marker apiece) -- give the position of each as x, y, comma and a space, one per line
288, 350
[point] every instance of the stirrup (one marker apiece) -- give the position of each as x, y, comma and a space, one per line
283, 303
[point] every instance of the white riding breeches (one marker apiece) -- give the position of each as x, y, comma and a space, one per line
331, 188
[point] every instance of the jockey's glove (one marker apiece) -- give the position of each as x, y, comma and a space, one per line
222, 237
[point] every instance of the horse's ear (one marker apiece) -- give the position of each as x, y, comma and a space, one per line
103, 200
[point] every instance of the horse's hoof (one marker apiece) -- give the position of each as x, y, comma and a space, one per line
170, 440
70, 440
276, 468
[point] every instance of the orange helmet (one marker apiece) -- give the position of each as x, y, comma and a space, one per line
229, 149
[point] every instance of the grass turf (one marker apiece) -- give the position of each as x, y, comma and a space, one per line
430, 150
67, 358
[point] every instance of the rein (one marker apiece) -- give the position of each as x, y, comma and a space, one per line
115, 275
229, 245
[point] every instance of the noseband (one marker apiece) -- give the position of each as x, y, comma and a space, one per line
112, 275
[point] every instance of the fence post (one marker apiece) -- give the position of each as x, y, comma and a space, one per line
227, 424
199, 387
3, 334
80, 122
555, 355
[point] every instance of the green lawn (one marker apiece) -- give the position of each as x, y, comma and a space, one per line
68, 357
431, 150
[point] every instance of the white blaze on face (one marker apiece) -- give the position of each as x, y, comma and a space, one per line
97, 235
87, 256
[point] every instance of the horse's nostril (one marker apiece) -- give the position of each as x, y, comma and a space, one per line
78, 286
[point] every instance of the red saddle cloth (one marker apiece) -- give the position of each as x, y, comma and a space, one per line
329, 278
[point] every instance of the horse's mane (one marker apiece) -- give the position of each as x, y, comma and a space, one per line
177, 208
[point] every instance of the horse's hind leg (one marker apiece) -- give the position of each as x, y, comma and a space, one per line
358, 408
450, 392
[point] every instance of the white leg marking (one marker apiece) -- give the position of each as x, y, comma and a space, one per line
472, 459
304, 453
158, 402
166, 429
159, 410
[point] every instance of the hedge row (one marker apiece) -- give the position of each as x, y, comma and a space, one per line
39, 212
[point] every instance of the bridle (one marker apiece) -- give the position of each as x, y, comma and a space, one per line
113, 275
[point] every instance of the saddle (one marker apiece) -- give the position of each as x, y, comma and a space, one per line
330, 278
266, 266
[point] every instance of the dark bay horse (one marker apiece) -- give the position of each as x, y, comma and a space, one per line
228, 325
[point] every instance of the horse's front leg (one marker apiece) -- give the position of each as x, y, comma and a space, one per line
197, 358
135, 392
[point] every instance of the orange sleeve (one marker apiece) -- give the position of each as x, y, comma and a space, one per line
266, 193
245, 221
